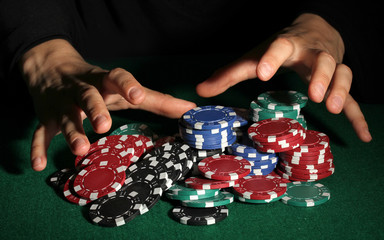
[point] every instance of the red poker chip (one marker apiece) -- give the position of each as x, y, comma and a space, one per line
167, 139
71, 195
288, 157
279, 147
308, 162
109, 156
145, 142
326, 164
97, 180
298, 137
305, 178
274, 129
293, 170
314, 142
205, 183
260, 187
117, 142
224, 167
311, 152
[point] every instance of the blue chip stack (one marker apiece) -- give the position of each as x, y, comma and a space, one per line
262, 163
210, 127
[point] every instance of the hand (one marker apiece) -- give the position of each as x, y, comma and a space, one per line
311, 47
65, 90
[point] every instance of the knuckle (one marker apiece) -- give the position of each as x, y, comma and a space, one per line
284, 41
325, 56
118, 72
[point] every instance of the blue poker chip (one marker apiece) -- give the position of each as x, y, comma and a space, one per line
210, 117
262, 164
208, 146
209, 139
249, 152
259, 172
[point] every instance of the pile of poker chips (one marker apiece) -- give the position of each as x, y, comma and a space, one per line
311, 161
279, 104
199, 208
209, 127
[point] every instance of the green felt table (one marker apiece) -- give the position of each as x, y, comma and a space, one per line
31, 209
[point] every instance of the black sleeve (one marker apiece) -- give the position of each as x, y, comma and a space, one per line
24, 24
360, 25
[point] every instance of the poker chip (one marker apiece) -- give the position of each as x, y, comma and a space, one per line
224, 167
152, 172
71, 195
95, 181
191, 197
209, 117
110, 155
259, 113
249, 152
135, 129
205, 183
180, 189
260, 187
199, 216
116, 209
255, 201
282, 100
60, 177
274, 129
223, 198
306, 194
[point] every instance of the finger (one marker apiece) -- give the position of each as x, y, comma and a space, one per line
73, 132
322, 72
122, 82
39, 147
221, 80
164, 104
276, 55
92, 103
339, 89
353, 112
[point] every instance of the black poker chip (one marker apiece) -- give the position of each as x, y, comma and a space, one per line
60, 177
199, 216
116, 209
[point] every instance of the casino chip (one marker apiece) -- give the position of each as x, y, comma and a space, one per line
116, 208
282, 100
95, 181
199, 216
210, 117
223, 198
205, 183
260, 187
224, 167
308, 194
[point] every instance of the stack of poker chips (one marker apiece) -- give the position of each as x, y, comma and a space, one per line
311, 161
275, 135
279, 104
262, 163
209, 127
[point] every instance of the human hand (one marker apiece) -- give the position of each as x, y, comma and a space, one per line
65, 90
311, 47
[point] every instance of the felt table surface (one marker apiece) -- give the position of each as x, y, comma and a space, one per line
31, 209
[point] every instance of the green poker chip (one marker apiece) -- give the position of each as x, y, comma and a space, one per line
180, 189
191, 197
223, 198
282, 100
135, 128
258, 113
306, 194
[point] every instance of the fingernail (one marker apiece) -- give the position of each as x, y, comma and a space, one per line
367, 134
265, 70
100, 120
36, 162
78, 143
320, 91
337, 101
135, 93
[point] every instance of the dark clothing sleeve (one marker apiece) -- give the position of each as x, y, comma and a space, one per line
109, 29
